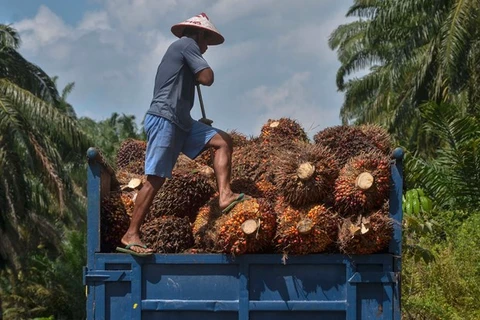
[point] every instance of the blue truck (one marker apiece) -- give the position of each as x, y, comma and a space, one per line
251, 286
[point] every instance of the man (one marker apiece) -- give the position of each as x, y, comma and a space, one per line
170, 128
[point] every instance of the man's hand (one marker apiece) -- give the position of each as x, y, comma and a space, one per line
206, 121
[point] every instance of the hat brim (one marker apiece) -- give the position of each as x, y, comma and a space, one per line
214, 38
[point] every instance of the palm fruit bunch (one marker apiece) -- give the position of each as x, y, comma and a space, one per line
255, 189
366, 234
239, 139
345, 142
363, 184
306, 175
267, 190
416, 202
182, 195
185, 163
125, 177
168, 234
114, 219
379, 137
203, 226
131, 154
254, 161
308, 230
248, 228
283, 130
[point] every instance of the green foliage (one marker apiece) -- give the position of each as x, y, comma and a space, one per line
37, 196
413, 51
448, 287
417, 223
49, 287
453, 176
107, 135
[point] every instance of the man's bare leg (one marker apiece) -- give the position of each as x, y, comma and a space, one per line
142, 205
222, 165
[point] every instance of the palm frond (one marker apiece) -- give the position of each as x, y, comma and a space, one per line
43, 115
457, 33
364, 8
27, 75
9, 37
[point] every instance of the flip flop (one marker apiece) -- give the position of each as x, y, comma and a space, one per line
240, 198
128, 250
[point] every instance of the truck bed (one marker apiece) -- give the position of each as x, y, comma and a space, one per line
252, 286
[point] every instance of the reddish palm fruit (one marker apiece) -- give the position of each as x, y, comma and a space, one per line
306, 175
124, 177
132, 151
254, 161
303, 231
168, 234
267, 190
182, 195
114, 220
363, 184
366, 234
248, 228
184, 163
345, 142
283, 130
203, 226
259, 189
379, 137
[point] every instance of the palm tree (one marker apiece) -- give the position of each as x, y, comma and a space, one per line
109, 133
63, 104
416, 51
453, 177
34, 185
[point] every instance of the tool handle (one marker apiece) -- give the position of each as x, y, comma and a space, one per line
201, 101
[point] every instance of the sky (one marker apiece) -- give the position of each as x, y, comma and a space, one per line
275, 61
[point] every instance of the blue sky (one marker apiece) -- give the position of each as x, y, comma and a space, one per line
275, 61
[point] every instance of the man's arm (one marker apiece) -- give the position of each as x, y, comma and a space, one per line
205, 77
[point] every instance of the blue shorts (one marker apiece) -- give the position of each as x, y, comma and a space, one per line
165, 141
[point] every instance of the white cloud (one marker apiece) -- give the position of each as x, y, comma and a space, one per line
291, 99
43, 30
227, 11
275, 61
138, 13
93, 21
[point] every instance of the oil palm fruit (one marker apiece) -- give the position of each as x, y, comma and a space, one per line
366, 234
363, 184
283, 130
182, 195
248, 228
345, 141
114, 219
379, 137
307, 230
306, 175
204, 225
132, 152
255, 161
124, 177
255, 189
168, 234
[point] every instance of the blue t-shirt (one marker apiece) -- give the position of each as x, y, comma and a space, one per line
174, 90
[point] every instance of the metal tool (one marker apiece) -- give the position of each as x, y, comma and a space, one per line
201, 101
204, 116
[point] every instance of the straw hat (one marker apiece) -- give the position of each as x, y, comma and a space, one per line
199, 21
